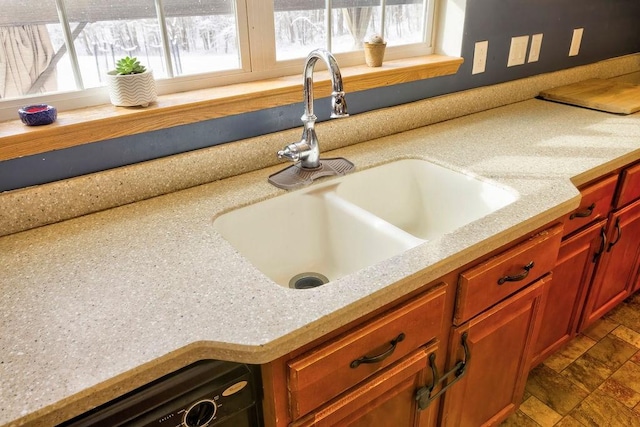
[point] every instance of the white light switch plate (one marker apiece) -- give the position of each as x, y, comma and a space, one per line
518, 50
575, 41
534, 49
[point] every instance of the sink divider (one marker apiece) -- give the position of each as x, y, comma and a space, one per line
372, 220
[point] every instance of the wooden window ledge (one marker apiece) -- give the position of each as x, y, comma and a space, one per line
82, 126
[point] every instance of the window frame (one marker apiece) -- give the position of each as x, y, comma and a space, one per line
256, 38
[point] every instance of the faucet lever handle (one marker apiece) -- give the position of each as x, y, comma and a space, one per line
294, 151
286, 153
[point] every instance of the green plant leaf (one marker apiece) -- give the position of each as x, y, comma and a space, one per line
129, 65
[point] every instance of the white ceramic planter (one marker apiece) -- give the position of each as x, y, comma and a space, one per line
132, 90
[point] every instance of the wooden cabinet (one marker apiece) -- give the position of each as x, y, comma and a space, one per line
499, 344
597, 199
617, 274
629, 186
371, 371
387, 399
496, 323
598, 262
583, 246
324, 372
565, 296
486, 284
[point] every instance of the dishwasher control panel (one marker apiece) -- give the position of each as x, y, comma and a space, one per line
208, 393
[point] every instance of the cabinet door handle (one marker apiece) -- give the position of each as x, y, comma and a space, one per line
423, 395
603, 244
619, 235
380, 357
585, 213
517, 277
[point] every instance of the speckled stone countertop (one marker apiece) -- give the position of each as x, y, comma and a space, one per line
98, 305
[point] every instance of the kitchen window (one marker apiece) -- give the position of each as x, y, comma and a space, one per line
61, 49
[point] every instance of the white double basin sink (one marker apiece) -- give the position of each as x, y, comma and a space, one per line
321, 233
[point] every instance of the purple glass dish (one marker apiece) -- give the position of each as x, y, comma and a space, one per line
38, 114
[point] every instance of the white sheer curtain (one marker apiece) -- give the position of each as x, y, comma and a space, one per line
25, 53
357, 20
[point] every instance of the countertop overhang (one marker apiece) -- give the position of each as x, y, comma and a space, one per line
96, 306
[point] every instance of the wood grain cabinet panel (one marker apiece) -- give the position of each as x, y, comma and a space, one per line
385, 400
499, 342
616, 274
494, 280
565, 296
629, 186
323, 373
597, 200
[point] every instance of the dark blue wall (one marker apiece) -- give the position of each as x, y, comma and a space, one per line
612, 28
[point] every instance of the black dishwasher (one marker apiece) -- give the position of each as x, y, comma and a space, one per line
207, 393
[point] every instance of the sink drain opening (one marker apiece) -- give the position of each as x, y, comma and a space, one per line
307, 280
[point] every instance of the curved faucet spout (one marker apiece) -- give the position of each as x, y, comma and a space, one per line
338, 102
307, 150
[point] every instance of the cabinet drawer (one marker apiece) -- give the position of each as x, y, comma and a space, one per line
596, 202
492, 281
629, 186
364, 405
321, 374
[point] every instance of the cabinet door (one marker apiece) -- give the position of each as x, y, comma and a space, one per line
616, 275
629, 186
500, 342
385, 400
565, 296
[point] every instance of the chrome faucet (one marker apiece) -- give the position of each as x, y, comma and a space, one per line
306, 151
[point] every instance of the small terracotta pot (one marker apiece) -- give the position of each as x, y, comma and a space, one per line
374, 53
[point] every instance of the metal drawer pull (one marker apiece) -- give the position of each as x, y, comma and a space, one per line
517, 277
380, 357
423, 394
619, 235
585, 213
603, 243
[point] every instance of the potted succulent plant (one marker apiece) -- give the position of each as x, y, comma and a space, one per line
131, 84
374, 50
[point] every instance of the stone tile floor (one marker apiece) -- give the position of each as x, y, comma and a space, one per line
593, 381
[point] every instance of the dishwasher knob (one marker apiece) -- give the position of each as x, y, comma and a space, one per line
200, 413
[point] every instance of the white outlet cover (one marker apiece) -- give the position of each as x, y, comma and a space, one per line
576, 40
518, 50
480, 57
534, 49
